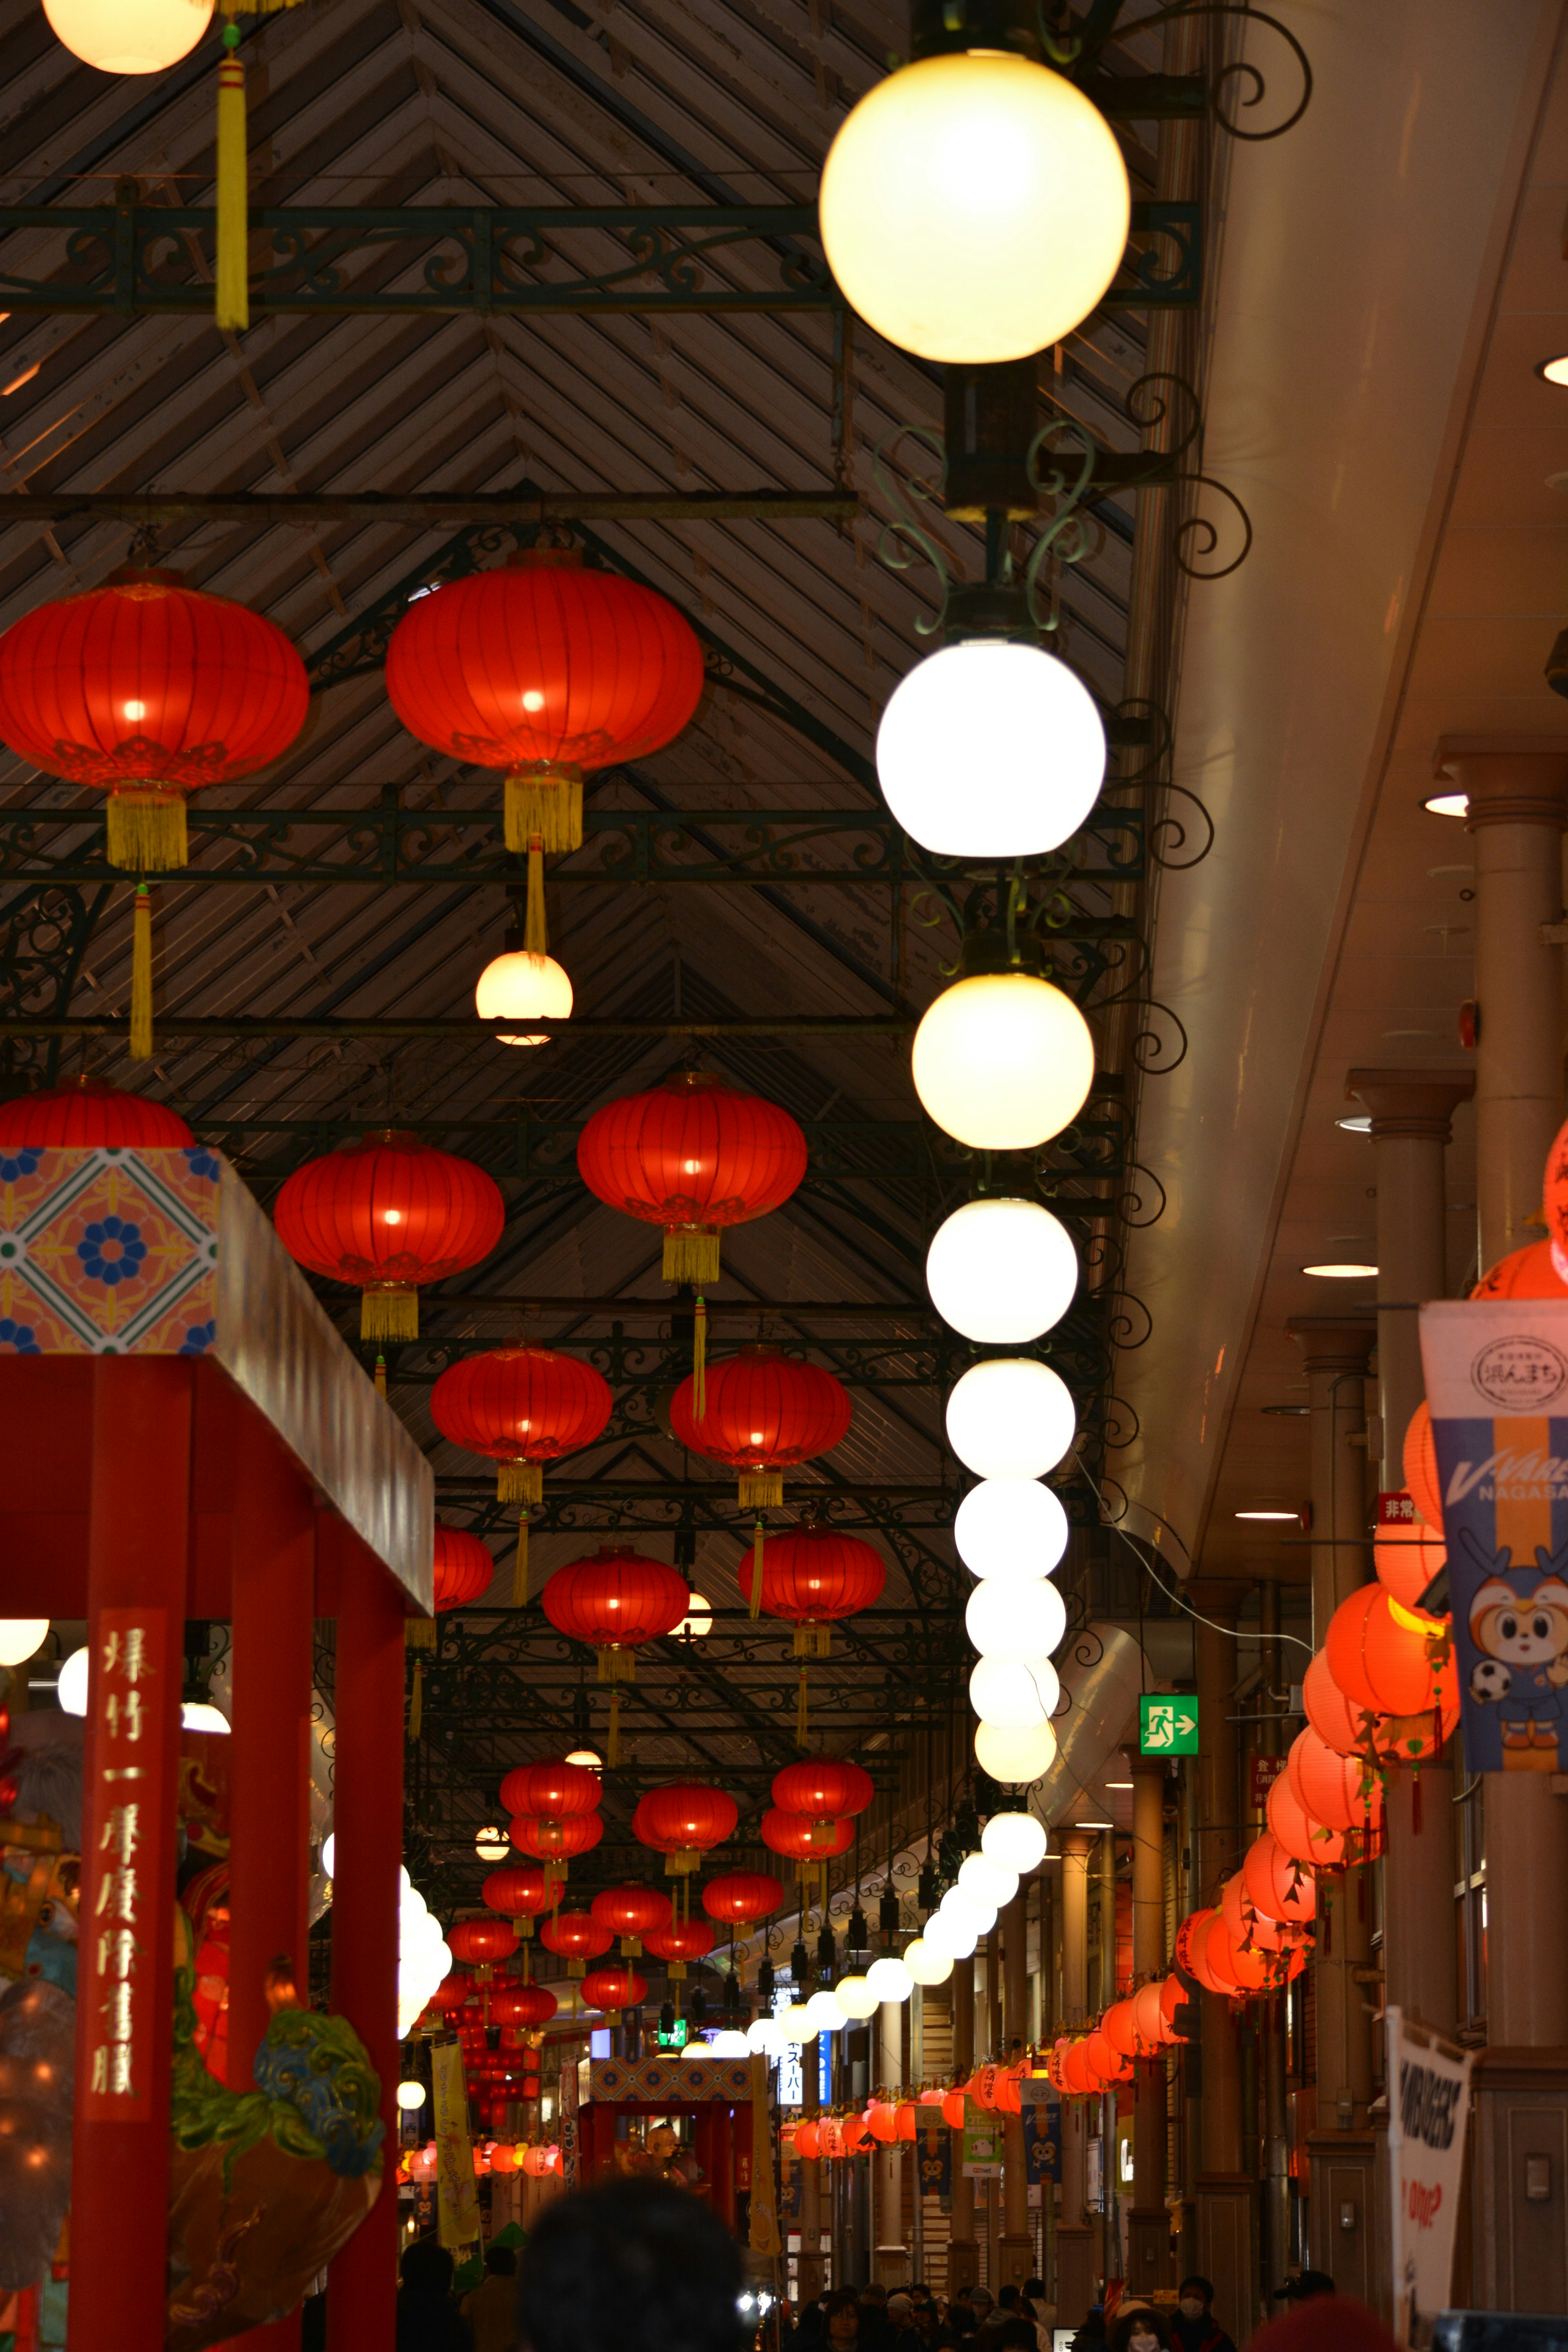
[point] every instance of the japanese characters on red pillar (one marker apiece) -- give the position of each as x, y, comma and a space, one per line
121, 1908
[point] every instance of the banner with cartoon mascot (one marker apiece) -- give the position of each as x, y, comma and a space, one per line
1496, 1383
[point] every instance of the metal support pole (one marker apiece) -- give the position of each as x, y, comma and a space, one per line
1076, 2257
1227, 2194
962, 2253
1149, 2226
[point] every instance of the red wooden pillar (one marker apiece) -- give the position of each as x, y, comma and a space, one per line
138, 1504
273, 1610
367, 1822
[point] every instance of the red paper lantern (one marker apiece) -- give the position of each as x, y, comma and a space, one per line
1172, 1996
1106, 2062
1407, 1557
682, 1822
1120, 2026
766, 1414
822, 1786
808, 2141
1381, 1663
148, 689
577, 1936
906, 2120
479, 1942
693, 1155
545, 667
1339, 1723
526, 2005
1188, 1933
631, 1913
386, 1215
743, 1898
87, 1115
552, 1789
1341, 1791
882, 2119
855, 2133
503, 2159
830, 2137
452, 1991
464, 1567
614, 1602
517, 1892
1078, 2080
1528, 1273
1352, 1731
801, 1839
682, 1940
613, 1990
1420, 1464
549, 1840
1151, 2026
1303, 1839
952, 2109
523, 1407
537, 2162
811, 1577
1280, 1888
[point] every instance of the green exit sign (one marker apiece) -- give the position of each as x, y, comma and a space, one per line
676, 2040
1168, 1727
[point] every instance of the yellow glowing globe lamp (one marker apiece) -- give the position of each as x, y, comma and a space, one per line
1012, 1756
975, 207
524, 986
1003, 1061
120, 37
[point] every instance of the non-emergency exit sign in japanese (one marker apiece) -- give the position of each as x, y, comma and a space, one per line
1168, 1727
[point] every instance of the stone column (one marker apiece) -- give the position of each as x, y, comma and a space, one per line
1077, 2264
1226, 2193
1517, 815
811, 2280
1149, 2227
962, 2253
891, 2254
1341, 2148
1016, 2251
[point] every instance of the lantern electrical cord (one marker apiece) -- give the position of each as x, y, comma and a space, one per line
1232, 1633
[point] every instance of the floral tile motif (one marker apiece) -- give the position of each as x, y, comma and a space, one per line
108, 1252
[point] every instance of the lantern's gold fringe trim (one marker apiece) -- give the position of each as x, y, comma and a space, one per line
147, 830
617, 1665
142, 975
761, 1490
814, 1641
419, 1634
390, 1311
520, 1482
544, 804
690, 1253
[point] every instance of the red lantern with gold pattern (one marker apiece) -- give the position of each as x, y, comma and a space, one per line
552, 1789
86, 1115
693, 1155
386, 1215
683, 1822
615, 1601
577, 1936
630, 1913
801, 1839
523, 1407
811, 1577
766, 1412
741, 1898
682, 1940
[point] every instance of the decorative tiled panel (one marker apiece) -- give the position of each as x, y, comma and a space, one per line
681, 2079
110, 1251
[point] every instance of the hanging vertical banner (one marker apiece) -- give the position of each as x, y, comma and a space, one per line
571, 2164
763, 2233
983, 2148
1496, 1382
1043, 2140
933, 2148
456, 2198
1428, 2107
129, 1817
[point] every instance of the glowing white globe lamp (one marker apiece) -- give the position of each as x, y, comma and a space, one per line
966, 1910
71, 1692
890, 1980
823, 2014
763, 2035
121, 39
1015, 1758
794, 2024
21, 1638
990, 749
1014, 1841
200, 1714
948, 1931
1008, 1620
975, 207
729, 2042
1002, 1271
1012, 1529
1011, 1417
1003, 1061
520, 985
854, 1996
988, 1880
410, 2095
1014, 1692
925, 1964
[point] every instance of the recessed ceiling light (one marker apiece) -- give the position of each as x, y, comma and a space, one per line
1262, 1511
1346, 1270
1447, 804
1358, 1123
1117, 1784
1287, 1408
1553, 371
1094, 1825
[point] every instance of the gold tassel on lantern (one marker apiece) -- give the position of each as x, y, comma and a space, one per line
519, 1566
142, 975
801, 1703
544, 805
231, 302
757, 1540
146, 828
690, 1253
417, 1701
419, 1632
814, 1641
617, 1665
612, 1742
389, 1310
700, 1360
520, 1482
535, 934
761, 1490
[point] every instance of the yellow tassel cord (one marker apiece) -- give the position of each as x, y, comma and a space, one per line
814, 1641
379, 1374
417, 1701
544, 804
617, 1665
536, 933
612, 1742
761, 1490
519, 1566
576, 1967
142, 975
801, 1706
700, 1360
758, 1534
389, 1312
690, 1253
520, 1482
147, 829
419, 1634
676, 1971
232, 293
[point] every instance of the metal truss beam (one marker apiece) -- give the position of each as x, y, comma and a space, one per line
425, 511
474, 1031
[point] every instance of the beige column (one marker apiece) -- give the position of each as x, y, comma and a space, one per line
1077, 2261
810, 2273
962, 2253
1227, 2194
1016, 2251
890, 2263
1517, 815
1148, 2227
1275, 2237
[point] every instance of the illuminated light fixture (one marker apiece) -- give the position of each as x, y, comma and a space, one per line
588, 1758
119, 39
1094, 1825
1015, 1841
890, 1980
926, 1964
951, 1932
1116, 1784
1012, 1529
1447, 803
1011, 1417
975, 207
492, 1845
698, 1620
200, 1714
70, 1693
1267, 1511
1013, 1693
763, 2034
1019, 730
520, 986
794, 2024
1003, 1061
825, 2013
729, 2043
854, 1997
1007, 1619
410, 2095
979, 1876
1554, 370
1358, 1123
968, 1910
1346, 1270
1015, 1758
21, 1638
1002, 1271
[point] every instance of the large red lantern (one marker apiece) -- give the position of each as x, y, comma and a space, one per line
631, 1913
766, 1412
615, 1601
388, 1215
811, 1577
518, 1894
1302, 1838
1406, 1552
1384, 1658
555, 1841
479, 1944
802, 1838
743, 1898
693, 1155
148, 689
1528, 1273
1106, 2062
1341, 1791
545, 667
527, 2005
551, 1788
1188, 1933
523, 1407
577, 1938
683, 1823
1150, 2023
682, 1940
83, 1116
465, 1567
613, 1990
1120, 2026
823, 1786
1280, 1888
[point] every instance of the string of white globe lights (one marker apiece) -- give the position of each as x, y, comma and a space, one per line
424, 1956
